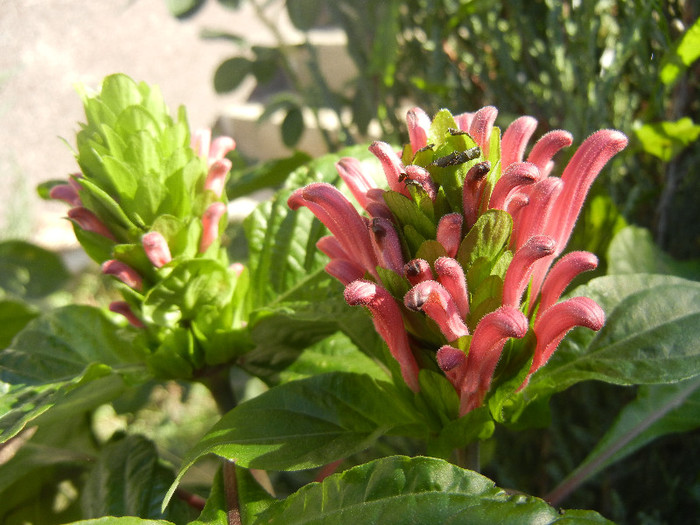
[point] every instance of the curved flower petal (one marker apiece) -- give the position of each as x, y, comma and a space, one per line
490, 336
481, 126
386, 244
449, 232
451, 276
156, 248
417, 271
515, 176
515, 140
350, 170
216, 177
89, 222
124, 273
520, 268
562, 273
210, 224
551, 327
341, 218
388, 323
433, 299
547, 146
473, 190
391, 164
418, 128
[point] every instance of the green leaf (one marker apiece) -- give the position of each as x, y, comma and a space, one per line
124, 520
303, 13
231, 73
398, 490
408, 213
292, 127
265, 175
307, 423
14, 316
650, 336
667, 139
632, 250
658, 410
61, 363
29, 271
685, 52
183, 8
128, 480
487, 238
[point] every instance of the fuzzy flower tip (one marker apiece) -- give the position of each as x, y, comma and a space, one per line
431, 228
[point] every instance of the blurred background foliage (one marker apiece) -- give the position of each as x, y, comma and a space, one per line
576, 65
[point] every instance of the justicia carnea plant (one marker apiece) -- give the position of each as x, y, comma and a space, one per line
459, 258
149, 206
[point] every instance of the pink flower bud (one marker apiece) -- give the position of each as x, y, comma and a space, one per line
418, 128
451, 361
200, 141
88, 221
124, 273
388, 323
464, 121
473, 190
220, 147
451, 276
433, 299
481, 126
237, 268
391, 164
331, 247
449, 232
514, 177
386, 244
417, 271
490, 336
422, 177
123, 308
520, 269
216, 178
66, 193
210, 224
350, 170
156, 248
343, 270
515, 140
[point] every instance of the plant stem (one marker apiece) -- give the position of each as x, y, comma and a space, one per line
219, 385
233, 511
469, 457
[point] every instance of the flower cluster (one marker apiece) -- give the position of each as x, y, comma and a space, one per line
456, 259
149, 206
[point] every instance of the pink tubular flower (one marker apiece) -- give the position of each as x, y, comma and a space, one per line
389, 324
417, 271
338, 215
88, 221
216, 177
124, 273
66, 193
123, 308
474, 246
449, 232
210, 225
557, 321
489, 338
156, 248
433, 299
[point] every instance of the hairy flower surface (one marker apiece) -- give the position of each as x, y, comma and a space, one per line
453, 256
